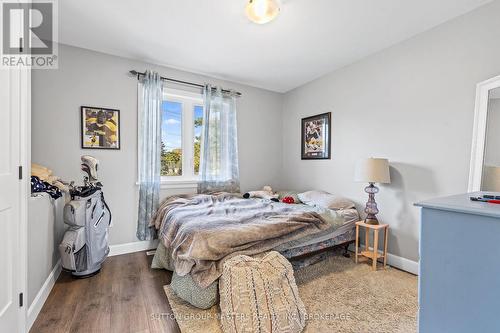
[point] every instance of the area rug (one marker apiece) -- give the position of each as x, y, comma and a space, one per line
339, 296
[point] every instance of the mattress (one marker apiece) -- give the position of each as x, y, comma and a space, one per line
325, 239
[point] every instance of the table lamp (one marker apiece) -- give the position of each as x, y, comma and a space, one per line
372, 170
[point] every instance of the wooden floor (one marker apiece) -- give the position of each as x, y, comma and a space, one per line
127, 296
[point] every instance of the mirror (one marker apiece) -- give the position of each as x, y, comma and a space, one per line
491, 164
485, 155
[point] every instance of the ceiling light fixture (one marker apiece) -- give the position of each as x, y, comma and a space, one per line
262, 11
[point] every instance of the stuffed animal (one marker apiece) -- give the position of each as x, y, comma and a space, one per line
265, 193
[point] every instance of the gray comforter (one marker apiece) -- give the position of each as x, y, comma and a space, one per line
203, 231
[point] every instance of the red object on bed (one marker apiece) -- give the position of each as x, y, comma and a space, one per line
288, 200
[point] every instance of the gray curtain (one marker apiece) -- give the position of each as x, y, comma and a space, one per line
150, 100
219, 170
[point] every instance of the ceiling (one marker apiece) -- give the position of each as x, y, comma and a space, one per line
309, 39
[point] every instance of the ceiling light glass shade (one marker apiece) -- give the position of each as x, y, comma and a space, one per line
262, 11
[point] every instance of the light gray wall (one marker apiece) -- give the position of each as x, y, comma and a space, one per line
89, 78
412, 103
45, 230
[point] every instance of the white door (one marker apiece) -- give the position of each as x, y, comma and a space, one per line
10, 190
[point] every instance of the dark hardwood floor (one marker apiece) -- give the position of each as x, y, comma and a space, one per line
126, 296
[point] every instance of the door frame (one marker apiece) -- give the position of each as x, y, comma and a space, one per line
20, 84
25, 188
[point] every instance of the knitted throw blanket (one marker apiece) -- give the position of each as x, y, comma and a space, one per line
260, 295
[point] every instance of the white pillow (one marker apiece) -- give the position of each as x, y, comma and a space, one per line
325, 200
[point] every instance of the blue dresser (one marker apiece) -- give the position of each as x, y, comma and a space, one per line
459, 279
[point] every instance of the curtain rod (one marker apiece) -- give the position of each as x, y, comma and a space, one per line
139, 74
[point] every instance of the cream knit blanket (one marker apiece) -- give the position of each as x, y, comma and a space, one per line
260, 295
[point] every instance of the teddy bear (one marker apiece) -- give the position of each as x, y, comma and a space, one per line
265, 193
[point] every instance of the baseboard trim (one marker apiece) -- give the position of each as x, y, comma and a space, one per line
401, 263
116, 250
41, 296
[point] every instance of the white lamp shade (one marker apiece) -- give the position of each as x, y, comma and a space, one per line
372, 170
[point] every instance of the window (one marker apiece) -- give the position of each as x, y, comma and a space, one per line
182, 120
171, 139
198, 122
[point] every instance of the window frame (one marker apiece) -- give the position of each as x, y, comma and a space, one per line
188, 100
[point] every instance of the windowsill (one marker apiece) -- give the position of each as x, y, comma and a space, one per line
166, 184
178, 183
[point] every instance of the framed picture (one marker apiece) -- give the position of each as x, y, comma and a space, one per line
100, 128
316, 137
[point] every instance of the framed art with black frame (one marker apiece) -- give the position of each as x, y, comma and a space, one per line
316, 137
100, 128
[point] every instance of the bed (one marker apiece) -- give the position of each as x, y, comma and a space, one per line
315, 248
200, 232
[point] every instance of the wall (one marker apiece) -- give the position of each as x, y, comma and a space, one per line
412, 103
45, 230
89, 78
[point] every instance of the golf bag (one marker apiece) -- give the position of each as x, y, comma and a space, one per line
85, 244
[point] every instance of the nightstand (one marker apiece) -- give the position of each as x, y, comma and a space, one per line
374, 255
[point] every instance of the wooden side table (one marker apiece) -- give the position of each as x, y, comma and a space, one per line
374, 255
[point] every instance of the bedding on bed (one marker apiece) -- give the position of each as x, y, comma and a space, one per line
334, 233
203, 231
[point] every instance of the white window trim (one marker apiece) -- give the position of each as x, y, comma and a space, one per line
177, 184
170, 184
188, 100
